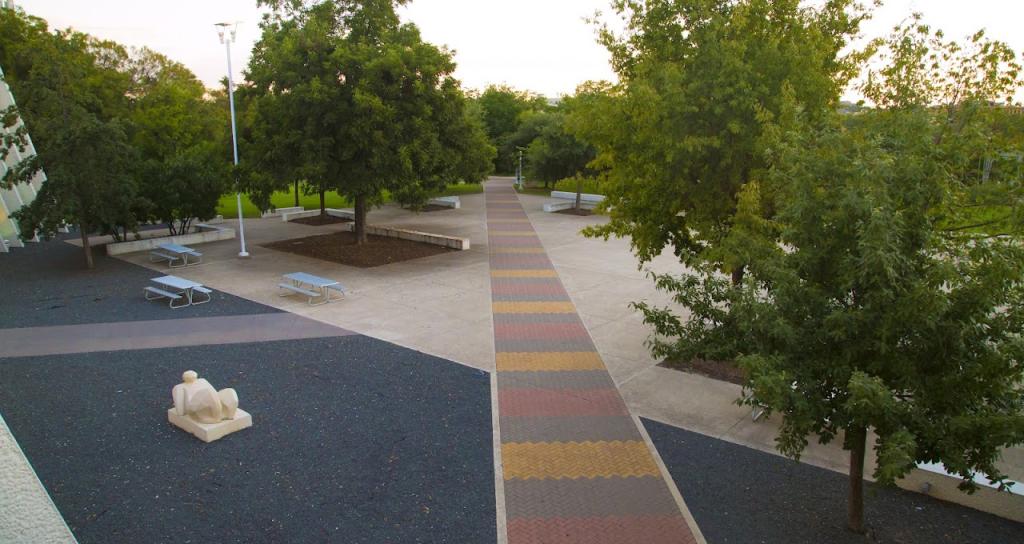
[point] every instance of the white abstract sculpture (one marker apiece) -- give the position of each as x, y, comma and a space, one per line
205, 412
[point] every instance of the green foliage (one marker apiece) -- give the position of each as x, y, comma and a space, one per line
554, 153
680, 134
72, 101
177, 132
505, 111
874, 299
344, 96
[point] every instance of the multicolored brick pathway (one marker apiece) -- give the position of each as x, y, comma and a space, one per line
576, 469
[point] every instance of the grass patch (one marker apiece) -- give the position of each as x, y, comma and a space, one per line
286, 199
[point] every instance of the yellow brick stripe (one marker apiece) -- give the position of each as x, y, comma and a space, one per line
533, 308
556, 460
542, 273
548, 361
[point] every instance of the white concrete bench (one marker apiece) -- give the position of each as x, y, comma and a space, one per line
565, 200
277, 212
447, 201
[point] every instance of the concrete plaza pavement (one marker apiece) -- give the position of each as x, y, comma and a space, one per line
441, 305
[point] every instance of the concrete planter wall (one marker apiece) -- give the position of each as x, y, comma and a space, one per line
415, 236
446, 201
207, 233
278, 212
300, 213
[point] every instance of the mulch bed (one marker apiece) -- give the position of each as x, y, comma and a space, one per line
434, 208
318, 220
727, 371
341, 248
582, 212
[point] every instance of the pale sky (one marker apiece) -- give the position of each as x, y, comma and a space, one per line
539, 45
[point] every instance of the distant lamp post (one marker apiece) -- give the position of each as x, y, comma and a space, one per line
519, 169
226, 37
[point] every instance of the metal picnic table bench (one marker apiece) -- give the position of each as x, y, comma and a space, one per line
184, 289
319, 288
173, 253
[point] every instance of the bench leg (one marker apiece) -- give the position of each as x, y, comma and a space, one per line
209, 297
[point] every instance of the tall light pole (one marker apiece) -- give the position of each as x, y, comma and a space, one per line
222, 29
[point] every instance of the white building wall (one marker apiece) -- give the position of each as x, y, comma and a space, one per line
12, 200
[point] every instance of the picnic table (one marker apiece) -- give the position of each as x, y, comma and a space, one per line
173, 253
319, 288
183, 290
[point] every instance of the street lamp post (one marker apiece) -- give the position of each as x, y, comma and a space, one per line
222, 29
519, 169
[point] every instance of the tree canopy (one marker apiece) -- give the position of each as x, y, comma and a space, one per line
346, 97
679, 135
872, 302
505, 110
73, 104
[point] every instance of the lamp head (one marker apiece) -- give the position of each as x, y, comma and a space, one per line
222, 28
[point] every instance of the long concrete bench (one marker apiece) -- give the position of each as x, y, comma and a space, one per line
564, 200
447, 201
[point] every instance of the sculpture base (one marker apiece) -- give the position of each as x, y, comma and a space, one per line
208, 432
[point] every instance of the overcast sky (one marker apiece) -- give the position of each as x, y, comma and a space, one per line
540, 45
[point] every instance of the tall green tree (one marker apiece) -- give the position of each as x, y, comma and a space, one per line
72, 102
348, 98
176, 131
555, 153
679, 135
870, 305
504, 111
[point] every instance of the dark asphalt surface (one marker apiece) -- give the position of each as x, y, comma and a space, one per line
354, 440
47, 284
742, 495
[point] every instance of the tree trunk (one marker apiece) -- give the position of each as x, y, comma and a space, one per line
296, 193
360, 223
855, 502
737, 274
85, 246
579, 193
323, 205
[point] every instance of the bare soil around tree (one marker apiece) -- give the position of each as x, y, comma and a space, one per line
727, 371
341, 248
320, 220
582, 212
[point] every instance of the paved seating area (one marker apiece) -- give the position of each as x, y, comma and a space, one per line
561, 457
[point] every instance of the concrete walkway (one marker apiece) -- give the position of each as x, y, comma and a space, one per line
576, 468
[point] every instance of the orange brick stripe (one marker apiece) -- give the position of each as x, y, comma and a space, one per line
574, 465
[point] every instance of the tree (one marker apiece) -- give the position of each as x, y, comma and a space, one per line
348, 98
678, 137
71, 101
504, 111
175, 128
869, 306
556, 154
